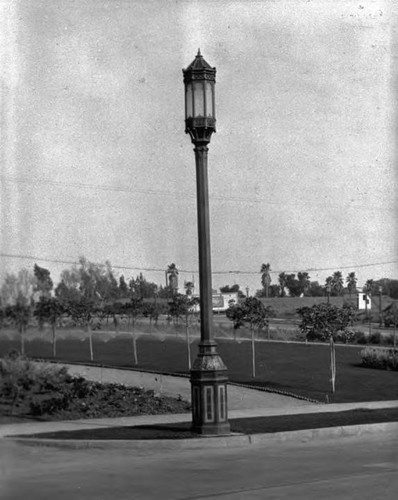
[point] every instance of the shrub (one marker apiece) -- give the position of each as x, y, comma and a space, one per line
51, 377
17, 374
49, 406
315, 336
385, 359
387, 340
347, 336
71, 391
375, 338
81, 388
360, 338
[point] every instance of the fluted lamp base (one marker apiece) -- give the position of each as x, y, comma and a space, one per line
209, 393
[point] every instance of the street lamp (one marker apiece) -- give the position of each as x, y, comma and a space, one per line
380, 319
208, 373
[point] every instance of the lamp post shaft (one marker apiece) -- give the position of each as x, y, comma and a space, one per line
202, 190
208, 373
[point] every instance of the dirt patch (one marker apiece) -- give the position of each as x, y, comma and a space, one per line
103, 400
40, 391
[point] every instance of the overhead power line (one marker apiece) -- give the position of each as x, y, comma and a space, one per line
177, 194
60, 261
81, 185
157, 269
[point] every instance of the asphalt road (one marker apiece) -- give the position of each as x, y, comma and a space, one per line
346, 468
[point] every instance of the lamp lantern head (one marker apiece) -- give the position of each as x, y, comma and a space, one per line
200, 117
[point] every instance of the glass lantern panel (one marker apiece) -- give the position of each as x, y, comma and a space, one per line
209, 99
188, 101
199, 99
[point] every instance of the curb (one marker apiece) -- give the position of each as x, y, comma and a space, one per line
275, 391
239, 440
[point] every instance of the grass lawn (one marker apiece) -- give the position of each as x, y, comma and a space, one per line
303, 370
255, 425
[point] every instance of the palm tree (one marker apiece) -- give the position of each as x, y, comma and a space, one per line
304, 280
338, 282
282, 283
265, 277
368, 288
329, 280
351, 281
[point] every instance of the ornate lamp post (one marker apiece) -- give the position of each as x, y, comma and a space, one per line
208, 374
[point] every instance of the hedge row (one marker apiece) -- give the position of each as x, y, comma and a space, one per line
375, 338
384, 359
348, 337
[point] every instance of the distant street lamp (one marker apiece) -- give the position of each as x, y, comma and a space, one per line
247, 291
380, 318
208, 373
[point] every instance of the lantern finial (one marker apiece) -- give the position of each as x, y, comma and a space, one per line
199, 54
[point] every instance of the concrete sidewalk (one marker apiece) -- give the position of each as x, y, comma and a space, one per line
27, 428
239, 398
156, 446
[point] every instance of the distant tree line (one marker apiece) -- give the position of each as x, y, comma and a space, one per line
334, 286
87, 294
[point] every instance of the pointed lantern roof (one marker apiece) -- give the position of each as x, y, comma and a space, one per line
199, 69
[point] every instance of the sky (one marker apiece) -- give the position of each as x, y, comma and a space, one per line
95, 161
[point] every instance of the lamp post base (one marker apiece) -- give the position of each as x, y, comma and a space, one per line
209, 392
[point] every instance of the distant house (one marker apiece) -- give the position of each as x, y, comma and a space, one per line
364, 301
220, 301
